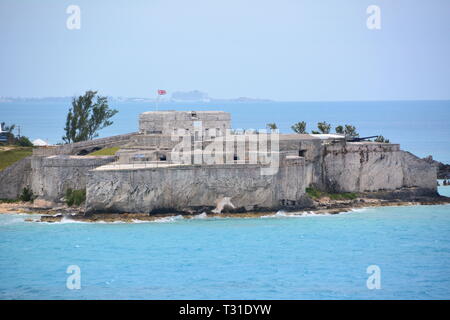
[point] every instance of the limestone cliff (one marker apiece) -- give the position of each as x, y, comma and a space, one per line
362, 167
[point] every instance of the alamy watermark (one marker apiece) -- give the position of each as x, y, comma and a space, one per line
73, 21
257, 147
73, 281
374, 19
374, 280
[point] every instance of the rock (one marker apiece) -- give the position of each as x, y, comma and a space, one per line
42, 203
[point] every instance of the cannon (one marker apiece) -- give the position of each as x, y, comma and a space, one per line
357, 139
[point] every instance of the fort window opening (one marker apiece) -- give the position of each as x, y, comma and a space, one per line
301, 153
162, 157
235, 157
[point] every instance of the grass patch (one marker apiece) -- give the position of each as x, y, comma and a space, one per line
316, 194
105, 152
9, 200
10, 155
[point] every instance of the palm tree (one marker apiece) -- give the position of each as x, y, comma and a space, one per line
299, 127
339, 129
272, 126
6, 128
324, 127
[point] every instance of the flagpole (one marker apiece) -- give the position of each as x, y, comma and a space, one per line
157, 100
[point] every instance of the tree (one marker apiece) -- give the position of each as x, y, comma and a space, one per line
299, 127
350, 131
382, 139
6, 128
315, 132
86, 118
324, 127
272, 126
24, 142
339, 129
7, 133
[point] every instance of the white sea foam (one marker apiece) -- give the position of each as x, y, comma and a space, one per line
203, 215
301, 214
169, 219
66, 220
357, 210
17, 218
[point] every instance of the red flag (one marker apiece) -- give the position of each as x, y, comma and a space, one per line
162, 92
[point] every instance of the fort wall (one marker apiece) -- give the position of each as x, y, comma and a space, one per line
52, 176
195, 188
14, 178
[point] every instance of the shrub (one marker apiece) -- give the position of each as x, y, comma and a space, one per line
24, 142
26, 195
75, 197
316, 194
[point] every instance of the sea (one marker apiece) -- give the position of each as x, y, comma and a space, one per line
367, 253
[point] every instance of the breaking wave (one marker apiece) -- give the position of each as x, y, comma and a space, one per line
200, 216
17, 218
283, 214
169, 219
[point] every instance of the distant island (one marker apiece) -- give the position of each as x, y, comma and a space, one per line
194, 96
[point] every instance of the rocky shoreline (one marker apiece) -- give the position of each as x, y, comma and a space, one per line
50, 212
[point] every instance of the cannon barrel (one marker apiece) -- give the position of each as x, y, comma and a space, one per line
360, 139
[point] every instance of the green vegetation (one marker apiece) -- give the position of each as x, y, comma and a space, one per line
24, 142
382, 139
316, 194
339, 130
9, 200
6, 128
105, 152
9, 155
272, 126
75, 197
350, 131
86, 118
324, 127
299, 127
9, 139
27, 195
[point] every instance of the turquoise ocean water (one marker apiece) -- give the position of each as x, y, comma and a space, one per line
422, 127
274, 257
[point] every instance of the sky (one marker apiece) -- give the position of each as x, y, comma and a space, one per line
287, 50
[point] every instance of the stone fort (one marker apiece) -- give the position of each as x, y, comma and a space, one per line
193, 162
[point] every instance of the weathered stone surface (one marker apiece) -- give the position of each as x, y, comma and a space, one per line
84, 146
52, 176
365, 167
210, 123
14, 178
188, 188
443, 170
